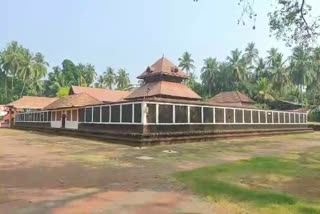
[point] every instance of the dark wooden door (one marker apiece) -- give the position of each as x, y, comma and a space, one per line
63, 121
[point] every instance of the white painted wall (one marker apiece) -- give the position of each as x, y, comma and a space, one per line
71, 124
56, 124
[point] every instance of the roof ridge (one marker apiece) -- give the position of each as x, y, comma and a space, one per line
160, 84
162, 60
243, 100
105, 89
237, 92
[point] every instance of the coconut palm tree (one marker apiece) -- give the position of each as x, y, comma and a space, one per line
109, 77
301, 70
209, 73
27, 69
225, 78
279, 73
191, 80
261, 70
12, 60
251, 54
314, 86
272, 56
41, 66
265, 92
4, 73
89, 74
100, 82
79, 76
32, 69
238, 64
57, 80
186, 62
122, 79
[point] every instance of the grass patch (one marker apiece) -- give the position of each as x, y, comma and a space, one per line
100, 160
259, 183
314, 123
89, 158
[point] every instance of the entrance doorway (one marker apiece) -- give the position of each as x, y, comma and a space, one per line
63, 125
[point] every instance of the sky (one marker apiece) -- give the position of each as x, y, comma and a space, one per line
133, 34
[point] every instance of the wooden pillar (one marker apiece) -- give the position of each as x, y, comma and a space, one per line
10, 117
202, 119
188, 114
174, 113
214, 115
132, 112
157, 113
144, 112
243, 121
14, 113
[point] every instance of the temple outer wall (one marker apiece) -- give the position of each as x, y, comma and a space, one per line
190, 128
167, 122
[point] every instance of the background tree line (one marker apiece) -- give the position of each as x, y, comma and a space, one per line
295, 78
25, 73
274, 77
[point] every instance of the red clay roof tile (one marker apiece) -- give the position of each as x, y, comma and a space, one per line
164, 88
75, 100
101, 94
31, 102
231, 97
165, 67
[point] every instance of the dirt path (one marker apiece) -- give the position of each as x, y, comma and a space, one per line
42, 173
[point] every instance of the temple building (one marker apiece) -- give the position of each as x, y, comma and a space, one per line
231, 98
163, 80
161, 110
32, 103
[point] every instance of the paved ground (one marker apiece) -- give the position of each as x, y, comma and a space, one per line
42, 173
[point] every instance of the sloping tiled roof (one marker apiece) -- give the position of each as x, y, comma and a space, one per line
164, 88
101, 94
301, 110
30, 102
76, 100
165, 67
231, 97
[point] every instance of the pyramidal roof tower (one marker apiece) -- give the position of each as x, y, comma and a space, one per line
163, 80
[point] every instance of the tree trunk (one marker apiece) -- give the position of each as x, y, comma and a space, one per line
5, 86
24, 84
12, 88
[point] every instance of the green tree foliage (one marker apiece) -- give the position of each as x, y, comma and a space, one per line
251, 55
186, 63
274, 77
301, 66
291, 21
239, 65
209, 73
21, 72
100, 82
294, 78
63, 92
122, 79
68, 75
265, 90
109, 77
